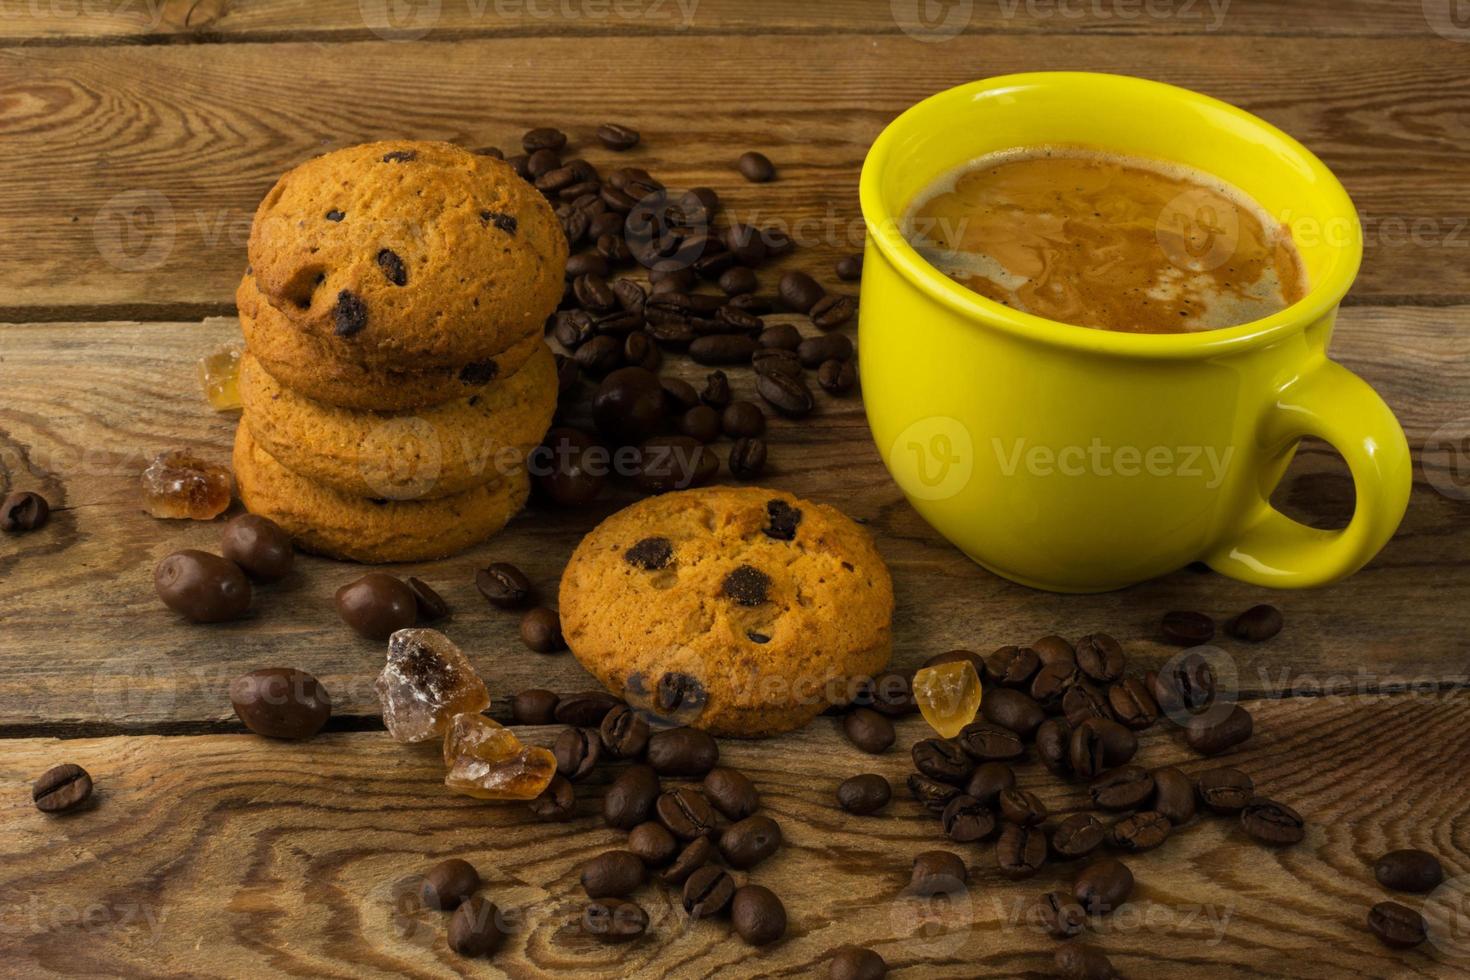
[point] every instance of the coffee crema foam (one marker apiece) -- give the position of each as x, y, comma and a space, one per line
1108, 241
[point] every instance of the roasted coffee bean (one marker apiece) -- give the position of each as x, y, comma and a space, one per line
1079, 961
990, 743
864, 794
1054, 746
943, 760
629, 405
891, 693
747, 459
695, 855
757, 915
748, 842
868, 730
686, 752
966, 819
206, 588
813, 351
280, 702
504, 586
837, 377
1020, 851
1225, 790
849, 268
431, 605
62, 788
585, 709
956, 656
722, 348
756, 167
716, 390
738, 281
856, 963
543, 138
557, 802
447, 884
572, 328
617, 137
613, 874
1219, 731
259, 546
577, 751
832, 311
542, 162
1077, 836
639, 350
1084, 700
1397, 926
1174, 795
988, 781
1115, 744
931, 794
1256, 625
631, 798
686, 813
1272, 823
1052, 682
774, 360
1053, 649
1141, 831
679, 394
707, 892
474, 929
1060, 916
1187, 629
1012, 709
376, 605
599, 356
731, 792
787, 395
799, 292
23, 511
624, 733
1409, 871
782, 336
1103, 885
1022, 807
589, 264
1125, 788
1185, 687
1012, 666
541, 630
520, 163
533, 706
938, 873
1131, 703
1100, 657
742, 419
614, 920
653, 844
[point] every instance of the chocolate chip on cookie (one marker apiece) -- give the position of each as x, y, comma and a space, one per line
505, 222
335, 215
678, 694
650, 554
783, 520
350, 315
392, 267
479, 373
400, 156
748, 586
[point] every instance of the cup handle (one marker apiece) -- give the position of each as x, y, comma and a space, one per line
1330, 402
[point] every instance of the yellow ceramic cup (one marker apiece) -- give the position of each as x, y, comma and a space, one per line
1082, 460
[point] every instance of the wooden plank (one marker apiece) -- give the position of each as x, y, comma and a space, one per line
228, 855
337, 20
86, 643
136, 205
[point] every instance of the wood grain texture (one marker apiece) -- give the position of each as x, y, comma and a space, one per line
86, 643
232, 856
144, 164
127, 21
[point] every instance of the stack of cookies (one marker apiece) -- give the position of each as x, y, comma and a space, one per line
395, 378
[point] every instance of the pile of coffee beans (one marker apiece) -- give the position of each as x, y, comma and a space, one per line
475, 927
23, 511
702, 299
505, 586
207, 588
692, 824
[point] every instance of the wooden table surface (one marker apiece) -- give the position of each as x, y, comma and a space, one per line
138, 137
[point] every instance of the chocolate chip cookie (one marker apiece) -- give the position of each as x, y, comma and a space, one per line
415, 254
741, 611
413, 455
